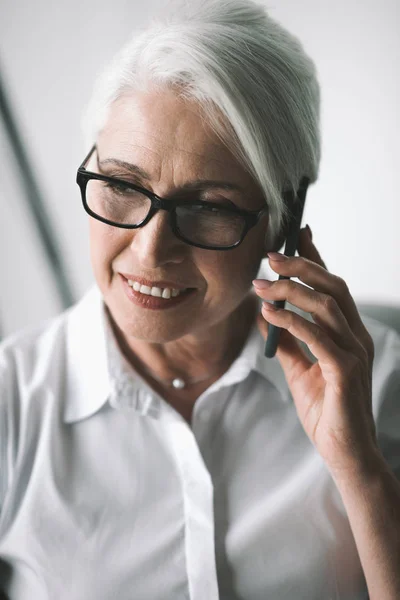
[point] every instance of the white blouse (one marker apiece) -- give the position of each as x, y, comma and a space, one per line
107, 493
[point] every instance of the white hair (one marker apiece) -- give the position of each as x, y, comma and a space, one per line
257, 88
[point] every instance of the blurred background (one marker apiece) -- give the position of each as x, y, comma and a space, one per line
50, 54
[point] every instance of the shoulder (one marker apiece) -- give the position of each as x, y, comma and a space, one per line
30, 371
25, 359
386, 365
386, 389
39, 367
35, 346
35, 358
29, 350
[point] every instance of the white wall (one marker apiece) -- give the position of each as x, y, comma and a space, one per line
50, 53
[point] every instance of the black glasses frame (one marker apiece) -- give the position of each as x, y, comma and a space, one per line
83, 176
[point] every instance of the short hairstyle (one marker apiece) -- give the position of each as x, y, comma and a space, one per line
256, 86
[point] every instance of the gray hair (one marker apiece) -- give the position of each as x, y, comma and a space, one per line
255, 84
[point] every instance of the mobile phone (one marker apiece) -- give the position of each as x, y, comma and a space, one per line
292, 240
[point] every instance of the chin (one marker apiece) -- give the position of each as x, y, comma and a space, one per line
151, 327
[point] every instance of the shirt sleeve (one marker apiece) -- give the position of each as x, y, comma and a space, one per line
386, 396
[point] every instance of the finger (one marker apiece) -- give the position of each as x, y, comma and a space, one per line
323, 281
322, 307
290, 354
308, 249
332, 359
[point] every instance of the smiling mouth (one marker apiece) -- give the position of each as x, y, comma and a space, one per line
155, 298
156, 292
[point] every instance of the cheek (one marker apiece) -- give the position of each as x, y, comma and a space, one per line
235, 271
230, 272
105, 245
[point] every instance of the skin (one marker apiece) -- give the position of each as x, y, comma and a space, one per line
168, 138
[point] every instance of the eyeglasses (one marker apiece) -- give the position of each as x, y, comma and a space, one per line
207, 225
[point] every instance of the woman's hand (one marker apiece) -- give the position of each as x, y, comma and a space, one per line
333, 396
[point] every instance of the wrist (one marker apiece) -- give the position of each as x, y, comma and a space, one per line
360, 471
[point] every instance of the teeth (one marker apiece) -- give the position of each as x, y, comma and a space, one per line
157, 292
165, 293
145, 289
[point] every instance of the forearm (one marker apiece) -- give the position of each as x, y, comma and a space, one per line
372, 503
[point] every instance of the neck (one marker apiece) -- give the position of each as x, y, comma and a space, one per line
193, 357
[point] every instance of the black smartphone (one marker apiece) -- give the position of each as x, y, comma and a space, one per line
292, 240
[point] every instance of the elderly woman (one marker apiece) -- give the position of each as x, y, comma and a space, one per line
149, 449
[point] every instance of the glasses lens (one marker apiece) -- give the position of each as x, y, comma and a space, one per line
116, 202
209, 226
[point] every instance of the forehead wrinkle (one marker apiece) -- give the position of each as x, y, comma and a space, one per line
211, 148
164, 154
161, 161
190, 183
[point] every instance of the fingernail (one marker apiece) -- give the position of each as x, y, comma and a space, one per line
261, 283
277, 256
309, 231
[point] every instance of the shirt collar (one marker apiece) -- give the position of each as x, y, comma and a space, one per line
87, 373
252, 358
97, 371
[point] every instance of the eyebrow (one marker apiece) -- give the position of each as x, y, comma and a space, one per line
191, 185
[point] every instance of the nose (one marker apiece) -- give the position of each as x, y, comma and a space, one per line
155, 244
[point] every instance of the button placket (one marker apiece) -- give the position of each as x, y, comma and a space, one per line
197, 495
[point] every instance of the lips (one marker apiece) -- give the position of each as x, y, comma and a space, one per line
154, 302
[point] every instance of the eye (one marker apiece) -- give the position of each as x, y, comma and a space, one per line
119, 188
213, 209
220, 203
